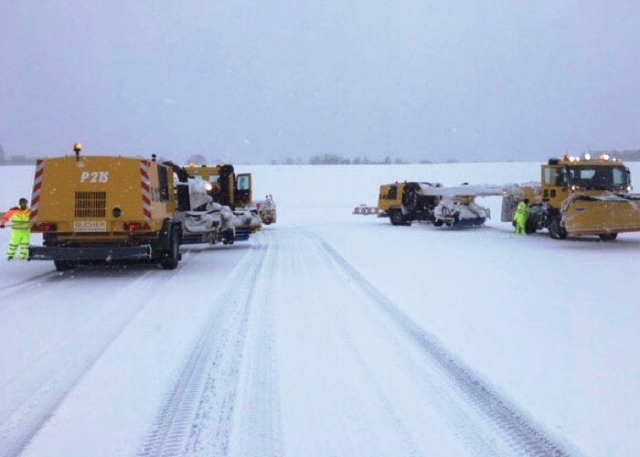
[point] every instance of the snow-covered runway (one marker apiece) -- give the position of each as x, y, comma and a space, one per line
329, 334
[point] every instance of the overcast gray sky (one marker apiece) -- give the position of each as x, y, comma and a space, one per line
249, 81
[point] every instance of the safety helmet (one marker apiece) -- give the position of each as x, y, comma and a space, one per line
77, 147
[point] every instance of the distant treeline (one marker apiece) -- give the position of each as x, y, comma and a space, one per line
17, 160
333, 159
14, 160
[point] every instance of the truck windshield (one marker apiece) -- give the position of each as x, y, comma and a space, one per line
594, 177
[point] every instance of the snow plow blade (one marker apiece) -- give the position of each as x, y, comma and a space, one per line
602, 215
90, 253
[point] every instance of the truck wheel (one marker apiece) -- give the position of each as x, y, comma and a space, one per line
608, 236
556, 231
396, 217
64, 265
171, 257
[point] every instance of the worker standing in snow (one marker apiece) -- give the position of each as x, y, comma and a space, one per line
20, 218
521, 217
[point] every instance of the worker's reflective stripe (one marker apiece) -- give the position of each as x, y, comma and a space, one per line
20, 219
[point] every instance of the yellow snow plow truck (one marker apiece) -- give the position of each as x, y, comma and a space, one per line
101, 209
224, 185
405, 202
578, 196
235, 190
575, 197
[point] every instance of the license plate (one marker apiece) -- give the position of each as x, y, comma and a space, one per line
90, 226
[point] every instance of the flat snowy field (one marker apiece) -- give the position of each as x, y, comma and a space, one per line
330, 334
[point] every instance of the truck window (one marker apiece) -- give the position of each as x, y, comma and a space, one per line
554, 176
619, 177
598, 177
393, 193
244, 183
163, 178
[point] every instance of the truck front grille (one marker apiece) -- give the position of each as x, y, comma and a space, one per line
91, 204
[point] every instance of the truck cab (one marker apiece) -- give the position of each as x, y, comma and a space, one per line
580, 196
225, 186
560, 178
404, 202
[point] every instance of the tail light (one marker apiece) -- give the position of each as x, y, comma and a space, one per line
45, 227
136, 226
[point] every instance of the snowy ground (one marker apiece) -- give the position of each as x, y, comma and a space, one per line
329, 334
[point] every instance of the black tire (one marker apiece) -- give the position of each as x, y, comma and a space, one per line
608, 236
530, 227
396, 217
557, 231
171, 257
64, 265
228, 236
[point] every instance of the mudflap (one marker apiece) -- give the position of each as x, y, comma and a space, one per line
166, 236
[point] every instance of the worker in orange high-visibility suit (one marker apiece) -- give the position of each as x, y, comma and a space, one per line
20, 218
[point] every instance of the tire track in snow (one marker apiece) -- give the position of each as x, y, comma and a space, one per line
9, 290
33, 395
353, 415
302, 356
489, 423
214, 407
